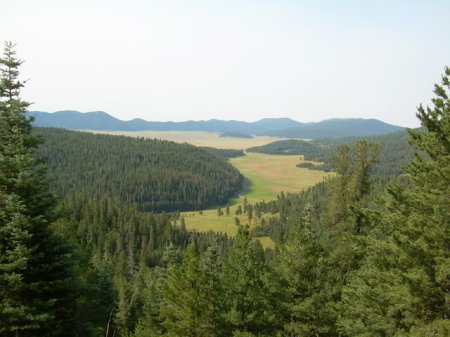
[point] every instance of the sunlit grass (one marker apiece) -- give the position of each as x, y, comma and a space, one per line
198, 138
266, 176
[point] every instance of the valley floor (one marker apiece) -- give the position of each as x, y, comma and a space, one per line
266, 176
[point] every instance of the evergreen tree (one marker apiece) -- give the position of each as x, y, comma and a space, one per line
36, 282
211, 265
314, 263
402, 289
248, 303
187, 304
239, 210
352, 185
303, 280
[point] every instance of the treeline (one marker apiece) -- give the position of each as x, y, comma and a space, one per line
235, 134
395, 151
157, 175
288, 147
224, 153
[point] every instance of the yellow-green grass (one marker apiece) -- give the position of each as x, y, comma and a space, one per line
209, 220
267, 242
266, 175
198, 138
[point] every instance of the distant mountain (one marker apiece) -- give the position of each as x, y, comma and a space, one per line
276, 127
68, 119
336, 128
99, 120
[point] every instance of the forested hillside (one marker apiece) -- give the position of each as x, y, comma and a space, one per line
224, 153
395, 151
336, 128
157, 175
291, 146
358, 255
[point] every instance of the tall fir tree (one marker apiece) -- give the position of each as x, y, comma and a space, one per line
302, 278
248, 302
187, 301
36, 280
402, 289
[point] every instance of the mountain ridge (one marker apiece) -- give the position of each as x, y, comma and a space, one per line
100, 120
275, 127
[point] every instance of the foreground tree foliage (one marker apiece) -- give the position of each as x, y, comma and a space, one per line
347, 263
37, 288
408, 252
189, 314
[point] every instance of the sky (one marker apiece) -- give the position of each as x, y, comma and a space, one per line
225, 59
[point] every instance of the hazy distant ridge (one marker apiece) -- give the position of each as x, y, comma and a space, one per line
280, 127
337, 128
99, 120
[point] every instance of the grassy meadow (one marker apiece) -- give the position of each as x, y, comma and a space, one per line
198, 138
266, 176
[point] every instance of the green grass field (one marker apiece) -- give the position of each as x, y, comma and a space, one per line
267, 175
270, 174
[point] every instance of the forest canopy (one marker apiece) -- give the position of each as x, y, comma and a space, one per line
155, 174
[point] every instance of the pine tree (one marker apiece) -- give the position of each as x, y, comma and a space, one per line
248, 304
187, 304
352, 185
304, 278
36, 282
314, 263
402, 289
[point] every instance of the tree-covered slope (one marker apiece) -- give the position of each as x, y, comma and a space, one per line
157, 175
224, 153
395, 150
291, 146
336, 128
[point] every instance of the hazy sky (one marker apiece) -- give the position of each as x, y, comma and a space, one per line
245, 60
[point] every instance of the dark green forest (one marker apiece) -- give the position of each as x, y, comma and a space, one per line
156, 175
288, 147
360, 254
236, 134
224, 153
336, 128
395, 151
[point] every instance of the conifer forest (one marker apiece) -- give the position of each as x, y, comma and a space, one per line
93, 241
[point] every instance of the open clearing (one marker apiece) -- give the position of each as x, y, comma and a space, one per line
267, 176
271, 174
198, 138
